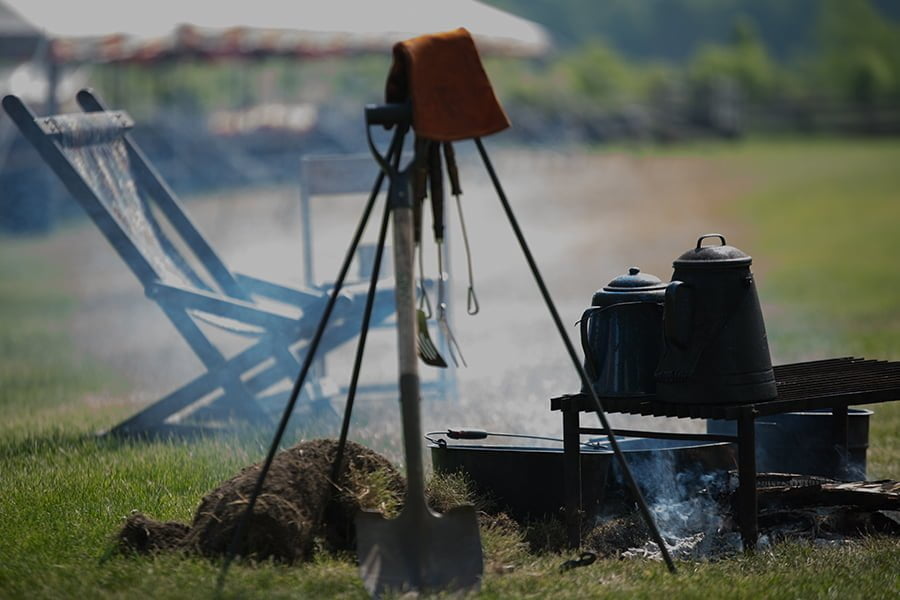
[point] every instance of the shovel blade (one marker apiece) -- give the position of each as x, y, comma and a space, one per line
419, 550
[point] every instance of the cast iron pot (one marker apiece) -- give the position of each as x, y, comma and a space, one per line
621, 335
526, 482
667, 468
715, 349
801, 443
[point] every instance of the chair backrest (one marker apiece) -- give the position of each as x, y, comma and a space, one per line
325, 175
94, 145
103, 169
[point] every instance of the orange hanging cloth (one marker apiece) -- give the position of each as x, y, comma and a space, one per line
452, 98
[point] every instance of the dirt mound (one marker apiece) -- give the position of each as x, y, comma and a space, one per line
297, 506
146, 536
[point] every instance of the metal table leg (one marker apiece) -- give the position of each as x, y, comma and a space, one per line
572, 474
839, 434
747, 500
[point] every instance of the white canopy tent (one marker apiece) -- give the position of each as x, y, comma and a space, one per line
150, 30
63, 34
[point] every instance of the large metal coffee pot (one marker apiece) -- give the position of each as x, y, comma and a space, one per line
621, 334
715, 350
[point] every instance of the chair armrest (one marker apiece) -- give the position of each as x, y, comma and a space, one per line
281, 293
238, 310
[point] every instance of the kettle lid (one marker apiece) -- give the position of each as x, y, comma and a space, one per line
721, 255
632, 287
634, 281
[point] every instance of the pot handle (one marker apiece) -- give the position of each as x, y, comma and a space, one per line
678, 313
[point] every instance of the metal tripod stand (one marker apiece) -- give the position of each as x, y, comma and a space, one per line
394, 115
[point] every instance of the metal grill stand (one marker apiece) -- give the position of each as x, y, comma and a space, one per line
833, 384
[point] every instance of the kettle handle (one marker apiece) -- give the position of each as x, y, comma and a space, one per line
677, 314
589, 362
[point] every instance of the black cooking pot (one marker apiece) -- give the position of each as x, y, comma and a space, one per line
803, 443
659, 466
621, 335
524, 481
527, 481
715, 350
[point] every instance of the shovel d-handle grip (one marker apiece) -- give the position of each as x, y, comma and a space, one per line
677, 314
388, 114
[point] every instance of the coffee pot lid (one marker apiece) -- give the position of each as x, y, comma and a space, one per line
712, 256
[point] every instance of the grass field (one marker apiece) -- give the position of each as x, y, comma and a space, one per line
823, 217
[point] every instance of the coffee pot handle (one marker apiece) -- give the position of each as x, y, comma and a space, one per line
678, 314
710, 235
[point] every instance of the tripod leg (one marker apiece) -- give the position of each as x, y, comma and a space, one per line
396, 145
364, 333
598, 407
361, 346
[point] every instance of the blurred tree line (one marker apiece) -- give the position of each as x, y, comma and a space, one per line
730, 64
620, 68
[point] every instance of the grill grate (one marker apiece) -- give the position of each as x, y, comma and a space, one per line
802, 386
836, 376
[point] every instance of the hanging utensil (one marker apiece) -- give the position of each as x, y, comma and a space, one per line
424, 305
420, 549
428, 350
436, 188
420, 183
472, 306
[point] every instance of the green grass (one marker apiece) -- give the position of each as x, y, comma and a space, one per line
823, 220
821, 217
39, 372
826, 223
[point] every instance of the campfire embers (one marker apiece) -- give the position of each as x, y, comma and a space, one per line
703, 526
819, 508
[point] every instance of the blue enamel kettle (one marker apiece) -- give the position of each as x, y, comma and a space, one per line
622, 335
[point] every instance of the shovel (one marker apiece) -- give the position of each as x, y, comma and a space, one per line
420, 549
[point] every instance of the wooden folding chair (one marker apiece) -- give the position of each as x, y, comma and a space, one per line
143, 220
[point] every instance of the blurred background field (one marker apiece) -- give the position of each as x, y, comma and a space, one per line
645, 73
829, 285
646, 124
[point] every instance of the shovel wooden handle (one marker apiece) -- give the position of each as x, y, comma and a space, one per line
404, 291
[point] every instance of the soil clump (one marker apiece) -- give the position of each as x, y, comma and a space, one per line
298, 508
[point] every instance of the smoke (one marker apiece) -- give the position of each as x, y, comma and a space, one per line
687, 496
583, 215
